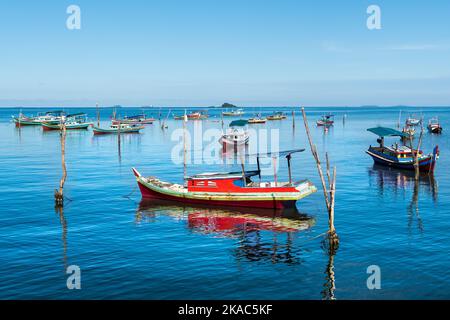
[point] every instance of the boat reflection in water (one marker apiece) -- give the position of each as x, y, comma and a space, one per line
264, 235
391, 181
388, 180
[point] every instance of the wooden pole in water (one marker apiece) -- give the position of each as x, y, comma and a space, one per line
416, 156
98, 115
316, 157
59, 196
329, 195
293, 119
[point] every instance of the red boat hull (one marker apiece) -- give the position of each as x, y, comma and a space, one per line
274, 204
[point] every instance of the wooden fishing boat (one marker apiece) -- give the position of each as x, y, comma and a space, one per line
236, 135
233, 113
411, 121
400, 157
138, 119
51, 117
76, 121
326, 120
434, 126
229, 188
114, 129
197, 115
276, 116
258, 119
69, 126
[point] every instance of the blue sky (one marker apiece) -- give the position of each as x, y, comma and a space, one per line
248, 52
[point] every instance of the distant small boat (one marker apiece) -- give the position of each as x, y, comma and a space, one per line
411, 121
233, 113
276, 116
138, 119
400, 157
114, 129
257, 119
434, 126
196, 115
326, 120
236, 135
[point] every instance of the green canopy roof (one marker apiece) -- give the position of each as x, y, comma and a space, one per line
387, 132
238, 123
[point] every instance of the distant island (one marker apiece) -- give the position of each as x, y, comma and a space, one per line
226, 105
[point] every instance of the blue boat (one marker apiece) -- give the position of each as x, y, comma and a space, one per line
400, 156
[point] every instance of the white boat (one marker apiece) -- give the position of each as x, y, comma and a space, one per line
233, 113
236, 135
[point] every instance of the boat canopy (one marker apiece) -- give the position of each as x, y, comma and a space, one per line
277, 154
387, 132
238, 123
75, 115
224, 175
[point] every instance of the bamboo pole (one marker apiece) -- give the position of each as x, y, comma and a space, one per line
316, 157
416, 157
59, 194
328, 195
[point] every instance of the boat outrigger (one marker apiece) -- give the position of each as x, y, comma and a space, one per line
400, 157
230, 188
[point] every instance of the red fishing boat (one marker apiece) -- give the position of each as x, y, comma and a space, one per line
230, 188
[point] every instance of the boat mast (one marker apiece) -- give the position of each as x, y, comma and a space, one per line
288, 157
184, 145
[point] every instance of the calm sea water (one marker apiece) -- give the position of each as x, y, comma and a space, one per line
132, 250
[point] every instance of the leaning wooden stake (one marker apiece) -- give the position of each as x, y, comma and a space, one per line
416, 156
328, 194
59, 196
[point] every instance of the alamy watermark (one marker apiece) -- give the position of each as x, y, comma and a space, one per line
74, 280
374, 280
374, 20
73, 21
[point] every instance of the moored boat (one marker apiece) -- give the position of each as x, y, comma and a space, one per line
434, 126
400, 157
412, 121
236, 135
258, 119
51, 117
276, 116
76, 121
327, 120
233, 113
138, 119
229, 188
118, 128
